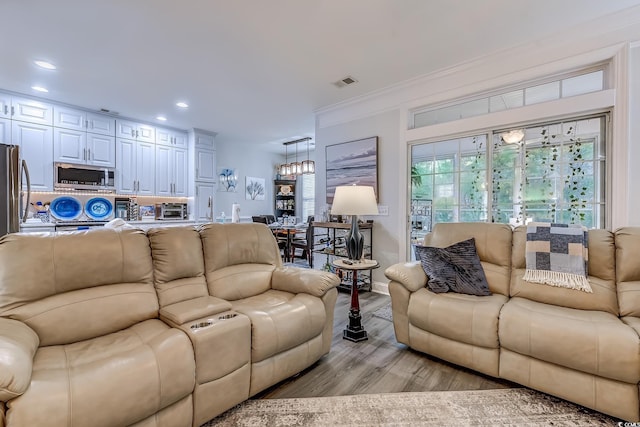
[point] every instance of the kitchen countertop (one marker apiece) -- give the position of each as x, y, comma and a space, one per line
37, 223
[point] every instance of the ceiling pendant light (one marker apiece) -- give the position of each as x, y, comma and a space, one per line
296, 167
308, 166
283, 167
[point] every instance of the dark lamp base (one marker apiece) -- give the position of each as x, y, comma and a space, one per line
354, 241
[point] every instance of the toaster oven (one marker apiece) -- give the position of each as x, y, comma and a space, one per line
171, 211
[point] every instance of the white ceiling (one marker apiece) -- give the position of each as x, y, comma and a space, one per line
254, 71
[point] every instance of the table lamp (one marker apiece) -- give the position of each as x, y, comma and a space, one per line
354, 200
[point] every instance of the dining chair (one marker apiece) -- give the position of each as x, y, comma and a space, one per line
304, 244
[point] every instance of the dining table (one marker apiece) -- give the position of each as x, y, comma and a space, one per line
288, 232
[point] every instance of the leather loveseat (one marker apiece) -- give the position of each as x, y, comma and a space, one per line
583, 347
166, 328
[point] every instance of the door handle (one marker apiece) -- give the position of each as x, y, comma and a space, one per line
27, 203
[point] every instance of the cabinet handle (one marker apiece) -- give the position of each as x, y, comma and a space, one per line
13, 110
133, 134
6, 110
86, 124
88, 153
136, 134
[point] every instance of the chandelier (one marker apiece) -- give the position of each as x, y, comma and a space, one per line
307, 166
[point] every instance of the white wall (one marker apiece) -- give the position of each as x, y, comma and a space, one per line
248, 161
634, 135
386, 228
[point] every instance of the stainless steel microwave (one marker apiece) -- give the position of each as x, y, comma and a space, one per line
80, 177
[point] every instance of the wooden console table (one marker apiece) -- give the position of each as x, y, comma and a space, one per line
328, 247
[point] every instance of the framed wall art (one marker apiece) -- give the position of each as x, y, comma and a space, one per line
254, 189
353, 162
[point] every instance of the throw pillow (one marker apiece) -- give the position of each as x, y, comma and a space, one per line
456, 268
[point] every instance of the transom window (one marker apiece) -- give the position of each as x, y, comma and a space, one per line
532, 93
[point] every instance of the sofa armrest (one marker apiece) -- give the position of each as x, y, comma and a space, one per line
18, 345
303, 280
409, 274
186, 311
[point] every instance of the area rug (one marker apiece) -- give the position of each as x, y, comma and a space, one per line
503, 407
384, 312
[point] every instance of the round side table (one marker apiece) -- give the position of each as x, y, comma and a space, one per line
355, 331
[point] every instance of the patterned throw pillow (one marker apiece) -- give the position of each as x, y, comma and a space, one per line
456, 268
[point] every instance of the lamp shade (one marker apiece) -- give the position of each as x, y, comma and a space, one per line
354, 200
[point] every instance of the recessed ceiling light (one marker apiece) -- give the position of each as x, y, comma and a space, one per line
161, 118
44, 64
40, 89
182, 104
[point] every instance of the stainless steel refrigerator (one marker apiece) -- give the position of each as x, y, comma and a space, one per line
11, 172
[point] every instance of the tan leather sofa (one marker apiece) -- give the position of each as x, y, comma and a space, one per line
165, 328
583, 347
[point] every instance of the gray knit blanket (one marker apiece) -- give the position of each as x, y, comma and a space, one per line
557, 255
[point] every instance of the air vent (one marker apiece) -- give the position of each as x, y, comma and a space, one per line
345, 82
107, 111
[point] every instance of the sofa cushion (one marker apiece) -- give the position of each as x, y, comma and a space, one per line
281, 321
455, 268
75, 286
602, 276
116, 379
594, 342
239, 259
178, 264
466, 318
240, 281
225, 245
628, 270
493, 245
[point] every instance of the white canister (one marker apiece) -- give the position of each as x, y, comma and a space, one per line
235, 212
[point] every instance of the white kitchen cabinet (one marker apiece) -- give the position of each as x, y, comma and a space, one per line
171, 167
5, 105
205, 165
5, 131
78, 146
136, 131
36, 147
204, 139
71, 118
32, 111
204, 202
100, 124
68, 118
101, 150
69, 146
136, 162
171, 137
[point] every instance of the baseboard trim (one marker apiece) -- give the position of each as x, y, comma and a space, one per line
380, 288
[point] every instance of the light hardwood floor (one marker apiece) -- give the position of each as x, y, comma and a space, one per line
377, 365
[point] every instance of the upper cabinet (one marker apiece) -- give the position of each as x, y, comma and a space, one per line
26, 110
5, 131
84, 138
204, 140
69, 118
136, 131
35, 141
171, 138
5, 105
73, 146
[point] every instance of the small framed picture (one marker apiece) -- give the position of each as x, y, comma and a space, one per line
147, 211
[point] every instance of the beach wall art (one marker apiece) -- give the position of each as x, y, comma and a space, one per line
353, 162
